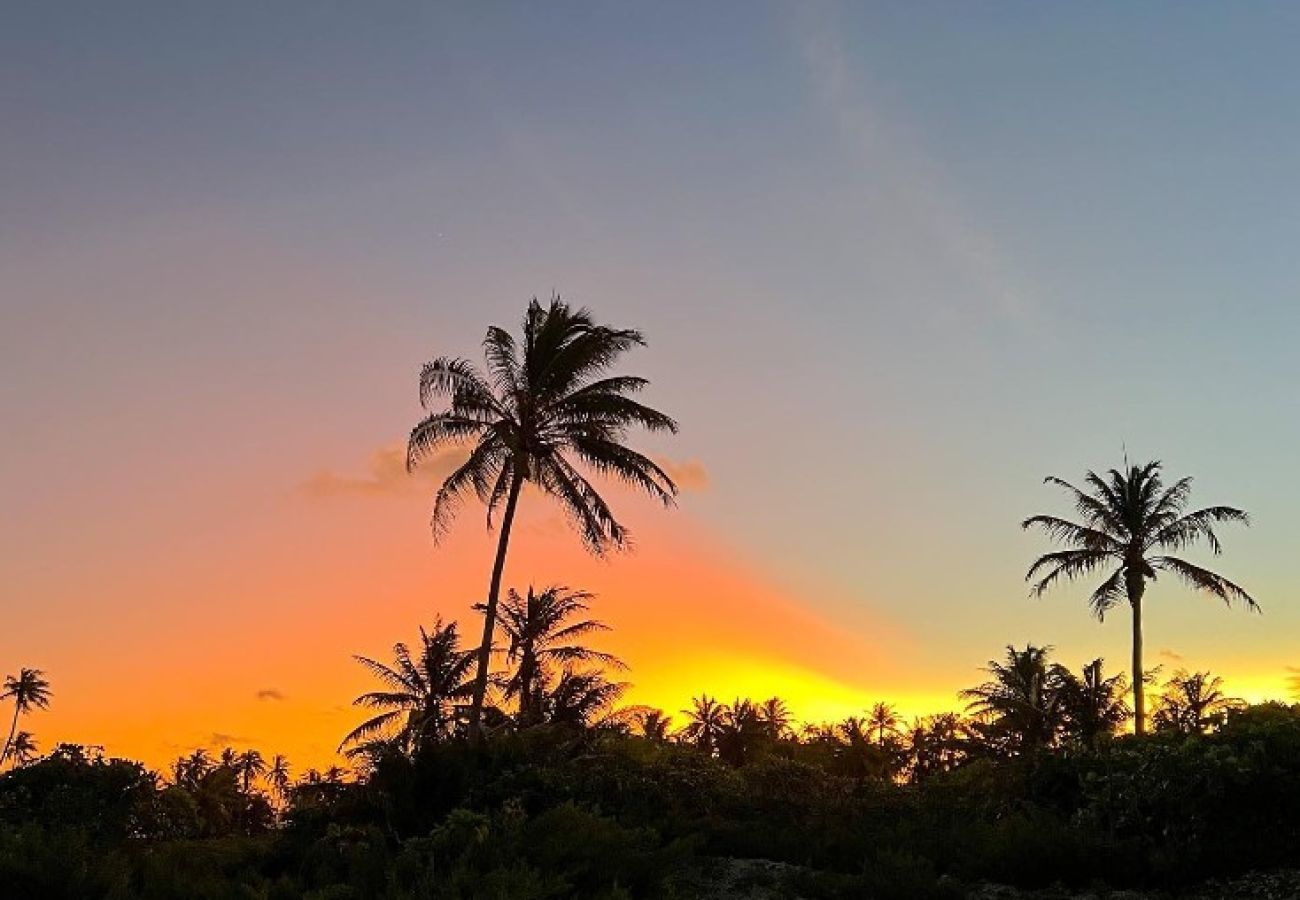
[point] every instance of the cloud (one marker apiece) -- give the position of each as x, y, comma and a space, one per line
221, 740
689, 474
385, 476
270, 694
1166, 653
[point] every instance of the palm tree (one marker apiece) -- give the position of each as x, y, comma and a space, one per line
250, 766
654, 724
883, 719
229, 758
705, 721
1193, 704
540, 635
29, 690
578, 697
1093, 704
1021, 702
423, 695
23, 750
1131, 521
539, 408
277, 775
775, 717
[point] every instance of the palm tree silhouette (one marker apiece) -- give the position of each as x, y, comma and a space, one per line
1192, 703
23, 750
653, 724
29, 691
540, 407
541, 635
1021, 701
1093, 704
249, 766
705, 721
883, 720
278, 776
577, 698
775, 717
423, 695
1132, 521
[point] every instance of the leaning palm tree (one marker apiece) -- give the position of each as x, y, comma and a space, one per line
542, 406
423, 695
29, 691
542, 636
1132, 522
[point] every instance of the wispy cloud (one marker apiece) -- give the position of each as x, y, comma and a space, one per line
270, 694
1166, 653
220, 740
689, 474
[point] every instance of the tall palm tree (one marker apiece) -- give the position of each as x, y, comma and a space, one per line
541, 635
423, 695
705, 721
883, 720
542, 406
1021, 701
29, 691
1093, 705
278, 775
1193, 703
1131, 523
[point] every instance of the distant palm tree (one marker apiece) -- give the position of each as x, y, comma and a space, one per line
1093, 704
542, 635
705, 721
333, 775
250, 766
1192, 703
578, 698
229, 758
883, 720
1132, 521
932, 745
278, 776
775, 717
540, 407
423, 695
23, 750
1021, 701
744, 730
654, 724
29, 691
189, 770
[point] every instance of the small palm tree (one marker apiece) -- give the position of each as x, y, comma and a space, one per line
1193, 704
229, 758
1132, 522
29, 691
705, 721
654, 724
1093, 704
23, 750
775, 717
423, 696
542, 635
578, 698
542, 406
278, 776
249, 766
883, 720
1021, 701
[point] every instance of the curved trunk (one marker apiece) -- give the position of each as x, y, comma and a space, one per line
13, 728
1136, 587
490, 613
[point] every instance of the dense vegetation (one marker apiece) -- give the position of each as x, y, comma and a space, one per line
528, 779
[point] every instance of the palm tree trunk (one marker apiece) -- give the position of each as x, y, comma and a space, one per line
490, 612
13, 729
1135, 591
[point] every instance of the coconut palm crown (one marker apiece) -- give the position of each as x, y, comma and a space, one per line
543, 410
1130, 525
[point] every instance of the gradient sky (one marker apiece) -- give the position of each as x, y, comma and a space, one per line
895, 262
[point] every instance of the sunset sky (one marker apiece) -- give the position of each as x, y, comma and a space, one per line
895, 262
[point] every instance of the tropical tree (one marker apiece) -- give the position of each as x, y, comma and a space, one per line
188, 771
775, 717
249, 766
29, 691
1192, 703
23, 750
883, 720
278, 776
423, 695
578, 698
542, 635
1021, 701
932, 745
1093, 705
743, 731
544, 407
653, 724
705, 721
1130, 524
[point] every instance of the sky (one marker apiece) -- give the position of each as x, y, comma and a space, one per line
896, 262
